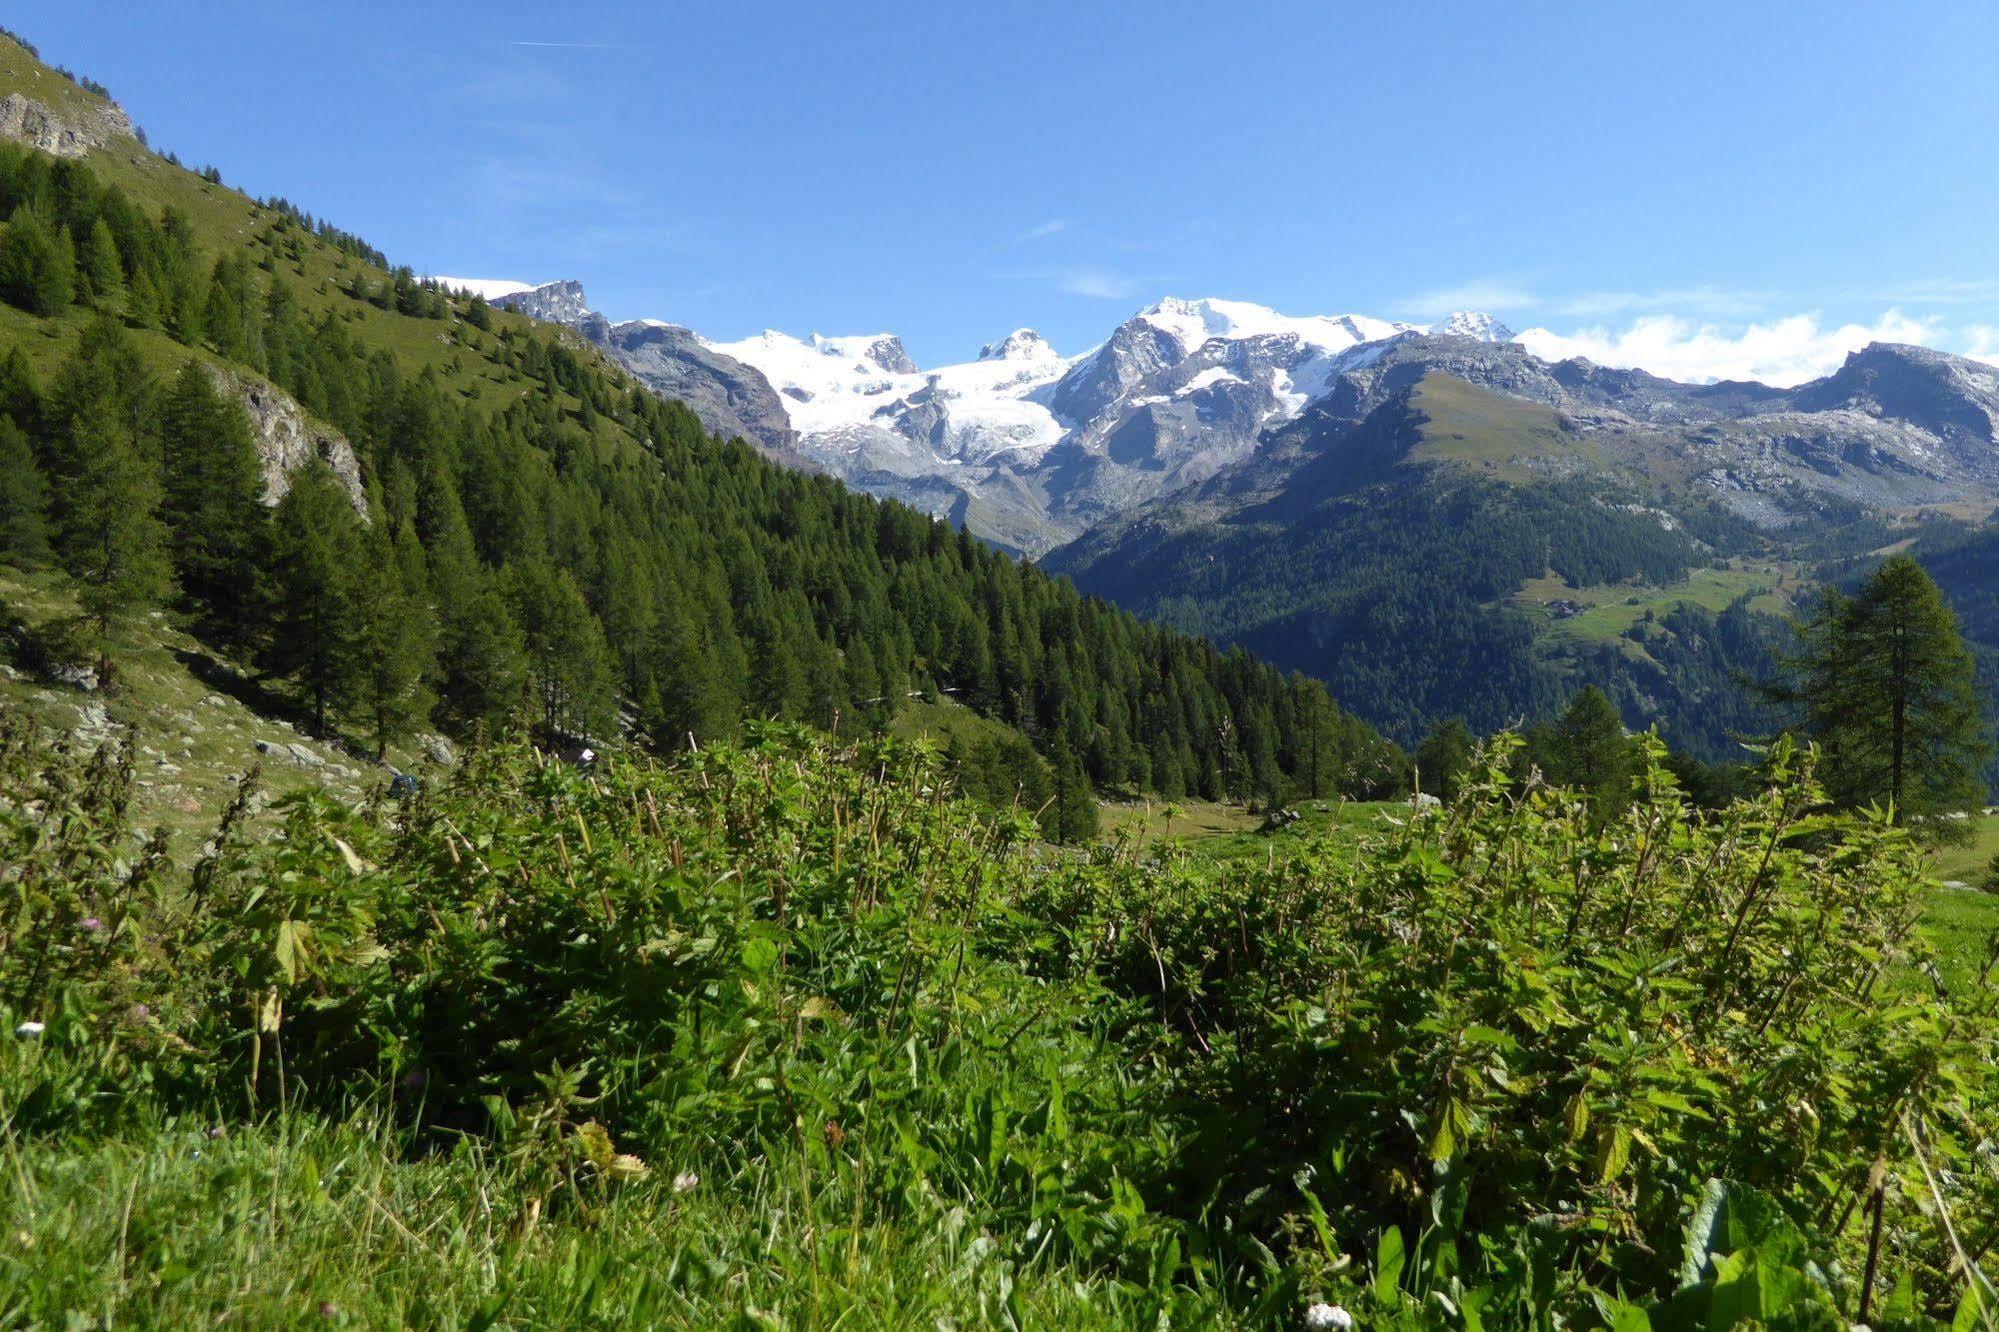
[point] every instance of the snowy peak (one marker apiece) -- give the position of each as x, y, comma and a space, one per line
882, 351
1473, 324
1192, 322
1023, 344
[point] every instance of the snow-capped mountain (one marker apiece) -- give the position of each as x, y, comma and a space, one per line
1023, 445
1027, 446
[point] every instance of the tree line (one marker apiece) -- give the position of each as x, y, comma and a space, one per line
585, 551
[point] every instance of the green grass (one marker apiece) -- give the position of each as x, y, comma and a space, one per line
943, 721
1498, 436
21, 72
1962, 921
1969, 862
306, 1223
1609, 611
194, 740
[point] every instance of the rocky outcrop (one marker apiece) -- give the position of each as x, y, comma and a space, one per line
287, 439
554, 302
732, 399
70, 133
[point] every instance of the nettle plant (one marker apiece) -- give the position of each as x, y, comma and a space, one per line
1498, 1063
1509, 1044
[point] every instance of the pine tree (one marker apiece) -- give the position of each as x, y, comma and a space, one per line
1443, 756
568, 664
484, 656
1589, 751
213, 504
24, 500
112, 537
1072, 815
1883, 681
98, 263
317, 632
37, 264
395, 645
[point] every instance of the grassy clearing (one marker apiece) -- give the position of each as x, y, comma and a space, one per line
1150, 821
1608, 612
1962, 921
194, 738
1498, 436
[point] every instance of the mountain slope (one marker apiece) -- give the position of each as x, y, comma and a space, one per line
1431, 535
1024, 446
541, 541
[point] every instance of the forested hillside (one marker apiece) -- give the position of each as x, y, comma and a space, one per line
533, 529
1433, 547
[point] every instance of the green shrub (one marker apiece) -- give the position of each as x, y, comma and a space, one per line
1499, 1064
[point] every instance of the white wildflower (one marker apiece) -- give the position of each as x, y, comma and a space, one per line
685, 1180
1328, 1318
30, 1029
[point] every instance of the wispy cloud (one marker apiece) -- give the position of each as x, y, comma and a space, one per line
1944, 291
1495, 294
1707, 300
1098, 284
1784, 351
1052, 227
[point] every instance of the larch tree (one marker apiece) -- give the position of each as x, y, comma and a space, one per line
1883, 681
112, 537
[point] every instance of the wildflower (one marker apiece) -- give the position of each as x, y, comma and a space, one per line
1328, 1318
30, 1029
685, 1180
327, 1309
90, 925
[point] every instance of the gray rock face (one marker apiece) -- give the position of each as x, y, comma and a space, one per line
552, 302
1895, 428
730, 398
66, 134
287, 439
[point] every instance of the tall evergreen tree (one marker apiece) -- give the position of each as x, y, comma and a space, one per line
112, 537
1071, 816
1590, 752
37, 264
395, 645
214, 503
484, 657
24, 500
97, 262
1443, 756
316, 632
1883, 681
569, 668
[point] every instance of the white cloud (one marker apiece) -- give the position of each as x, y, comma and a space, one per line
1043, 231
1782, 351
1982, 343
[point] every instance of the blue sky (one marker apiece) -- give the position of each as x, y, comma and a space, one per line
1694, 187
